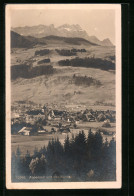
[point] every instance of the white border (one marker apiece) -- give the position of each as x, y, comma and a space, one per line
66, 185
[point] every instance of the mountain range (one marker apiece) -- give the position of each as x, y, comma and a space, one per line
65, 30
20, 41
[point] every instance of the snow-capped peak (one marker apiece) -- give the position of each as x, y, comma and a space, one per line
70, 27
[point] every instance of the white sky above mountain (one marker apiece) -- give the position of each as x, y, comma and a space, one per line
97, 22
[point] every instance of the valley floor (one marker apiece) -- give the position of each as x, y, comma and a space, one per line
31, 142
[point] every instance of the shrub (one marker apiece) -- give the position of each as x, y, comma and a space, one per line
42, 52
44, 61
64, 52
84, 80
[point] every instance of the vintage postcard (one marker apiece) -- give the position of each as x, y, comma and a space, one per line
63, 96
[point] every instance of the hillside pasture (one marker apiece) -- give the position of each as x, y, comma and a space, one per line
54, 89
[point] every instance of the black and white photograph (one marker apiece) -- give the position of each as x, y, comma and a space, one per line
63, 96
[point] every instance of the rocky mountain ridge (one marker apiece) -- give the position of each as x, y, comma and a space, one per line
65, 30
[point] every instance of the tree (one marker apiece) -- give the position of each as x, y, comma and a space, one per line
35, 152
90, 144
60, 125
112, 151
38, 165
67, 145
105, 149
25, 164
109, 161
98, 144
42, 166
112, 147
58, 148
43, 150
34, 165
18, 161
50, 154
13, 165
78, 153
18, 152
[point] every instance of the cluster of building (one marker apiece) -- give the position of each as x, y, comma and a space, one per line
36, 120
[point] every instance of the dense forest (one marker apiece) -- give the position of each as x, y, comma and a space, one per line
27, 71
81, 158
71, 52
97, 63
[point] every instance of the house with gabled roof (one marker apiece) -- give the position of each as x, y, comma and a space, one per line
25, 131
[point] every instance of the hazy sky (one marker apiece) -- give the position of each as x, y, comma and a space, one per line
100, 23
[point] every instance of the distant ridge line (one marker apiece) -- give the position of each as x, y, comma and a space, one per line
65, 30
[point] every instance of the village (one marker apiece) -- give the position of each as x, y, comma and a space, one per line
31, 119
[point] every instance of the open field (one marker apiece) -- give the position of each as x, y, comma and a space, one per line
30, 142
58, 88
97, 51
